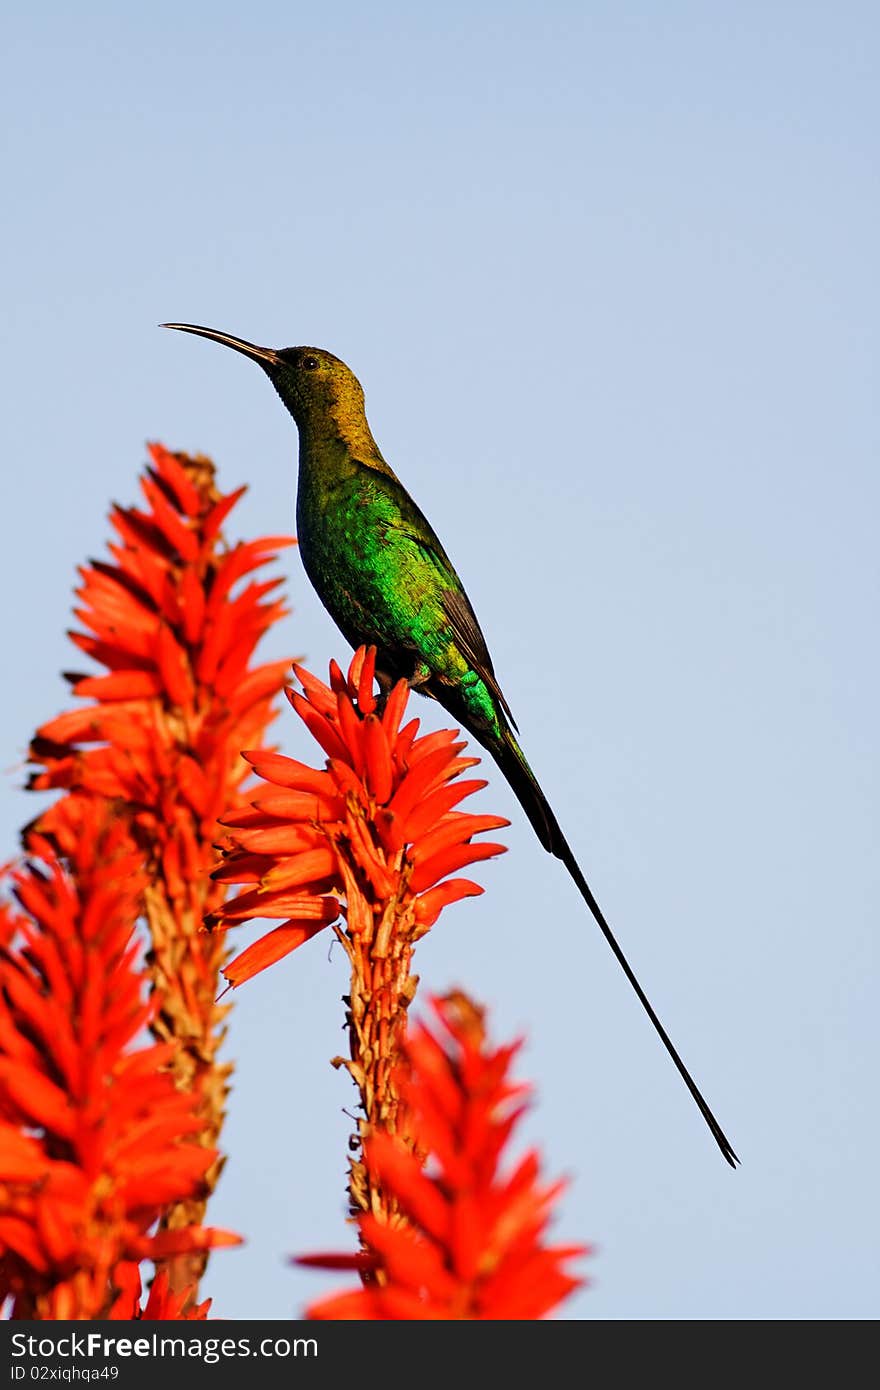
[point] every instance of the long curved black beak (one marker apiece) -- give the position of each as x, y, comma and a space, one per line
259, 354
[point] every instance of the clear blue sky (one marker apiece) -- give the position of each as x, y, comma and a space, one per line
608, 272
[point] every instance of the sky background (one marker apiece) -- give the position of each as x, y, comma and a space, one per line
607, 272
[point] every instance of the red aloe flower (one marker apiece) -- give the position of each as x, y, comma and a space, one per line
95, 1138
174, 619
162, 1305
377, 828
378, 824
471, 1242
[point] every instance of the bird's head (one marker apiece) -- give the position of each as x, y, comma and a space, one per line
314, 385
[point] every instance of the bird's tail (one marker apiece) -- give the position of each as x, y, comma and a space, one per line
512, 762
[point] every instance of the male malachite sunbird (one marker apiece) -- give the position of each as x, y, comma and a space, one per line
385, 579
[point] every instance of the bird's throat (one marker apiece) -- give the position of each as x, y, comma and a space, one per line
337, 441
335, 424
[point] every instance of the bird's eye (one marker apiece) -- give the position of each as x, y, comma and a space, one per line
310, 363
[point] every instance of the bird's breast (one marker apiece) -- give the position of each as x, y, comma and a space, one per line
343, 528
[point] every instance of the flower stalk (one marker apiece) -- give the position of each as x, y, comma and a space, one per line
469, 1239
372, 838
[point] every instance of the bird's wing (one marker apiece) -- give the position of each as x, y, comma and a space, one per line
457, 608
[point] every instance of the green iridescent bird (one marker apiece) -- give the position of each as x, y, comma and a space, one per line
386, 580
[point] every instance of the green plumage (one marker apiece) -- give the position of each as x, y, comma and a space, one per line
386, 580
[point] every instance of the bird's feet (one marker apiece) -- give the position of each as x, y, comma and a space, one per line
386, 683
420, 676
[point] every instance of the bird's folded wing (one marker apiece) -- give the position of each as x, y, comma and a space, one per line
458, 612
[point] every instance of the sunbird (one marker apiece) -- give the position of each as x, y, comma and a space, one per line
385, 579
